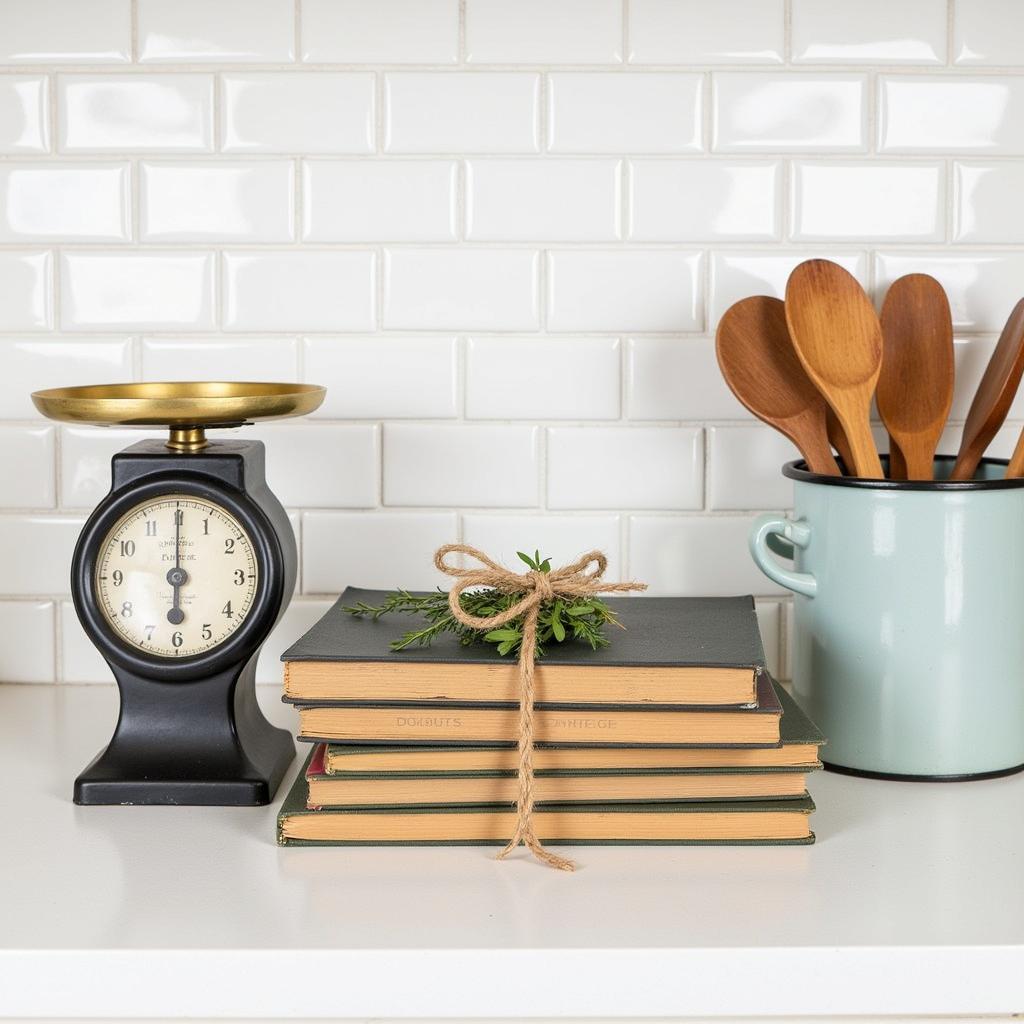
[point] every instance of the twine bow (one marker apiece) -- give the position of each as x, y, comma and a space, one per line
571, 581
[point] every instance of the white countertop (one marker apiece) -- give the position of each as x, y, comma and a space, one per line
912, 902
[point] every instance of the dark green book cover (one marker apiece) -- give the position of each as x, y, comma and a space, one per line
294, 805
711, 632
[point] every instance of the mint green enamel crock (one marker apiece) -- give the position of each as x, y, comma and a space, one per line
908, 646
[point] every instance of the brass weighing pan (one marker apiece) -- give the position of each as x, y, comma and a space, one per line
186, 407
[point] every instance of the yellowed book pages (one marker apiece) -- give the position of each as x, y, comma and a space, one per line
486, 759
325, 791
551, 825
371, 681
711, 728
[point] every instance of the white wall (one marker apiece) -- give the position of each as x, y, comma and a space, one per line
501, 232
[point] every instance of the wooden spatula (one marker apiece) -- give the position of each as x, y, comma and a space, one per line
838, 340
760, 366
915, 387
994, 396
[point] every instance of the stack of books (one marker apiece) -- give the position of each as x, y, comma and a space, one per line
674, 733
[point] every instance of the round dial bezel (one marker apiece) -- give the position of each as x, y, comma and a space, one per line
249, 635
109, 596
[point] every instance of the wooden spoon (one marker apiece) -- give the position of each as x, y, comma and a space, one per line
994, 396
837, 437
838, 339
915, 387
760, 366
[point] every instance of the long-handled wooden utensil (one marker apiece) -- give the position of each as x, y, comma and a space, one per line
838, 340
915, 387
760, 366
994, 396
837, 437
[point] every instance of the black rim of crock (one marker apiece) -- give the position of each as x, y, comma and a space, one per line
797, 470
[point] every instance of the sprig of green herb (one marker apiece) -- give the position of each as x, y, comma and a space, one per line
557, 621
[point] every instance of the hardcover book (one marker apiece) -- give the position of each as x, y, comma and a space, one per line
725, 822
800, 740
756, 725
392, 789
671, 651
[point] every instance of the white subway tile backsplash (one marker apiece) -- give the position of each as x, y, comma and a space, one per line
35, 551
299, 291
867, 202
448, 112
383, 550
988, 32
219, 358
982, 287
65, 31
581, 378
677, 379
705, 200
125, 113
784, 112
26, 642
596, 112
562, 538
870, 32
932, 114
696, 32
225, 31
500, 234
217, 202
637, 290
461, 289
625, 467
84, 468
735, 275
155, 290
396, 378
379, 200
31, 364
380, 31
296, 112
694, 555
346, 457
472, 465
985, 201
88, 202
745, 468
769, 622
26, 291
546, 200
24, 114
27, 467
544, 32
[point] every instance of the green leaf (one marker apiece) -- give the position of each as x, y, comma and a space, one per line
545, 566
579, 609
505, 646
557, 629
496, 635
527, 559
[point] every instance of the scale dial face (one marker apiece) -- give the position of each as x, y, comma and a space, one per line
176, 576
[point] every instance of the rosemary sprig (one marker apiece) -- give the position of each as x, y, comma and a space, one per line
556, 620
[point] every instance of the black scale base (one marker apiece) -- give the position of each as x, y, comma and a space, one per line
191, 732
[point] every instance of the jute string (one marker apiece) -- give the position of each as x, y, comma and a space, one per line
580, 579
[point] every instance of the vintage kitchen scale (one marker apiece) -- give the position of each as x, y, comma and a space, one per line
178, 577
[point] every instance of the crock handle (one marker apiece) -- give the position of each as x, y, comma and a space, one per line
799, 534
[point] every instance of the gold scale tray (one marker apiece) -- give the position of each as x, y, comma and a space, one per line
187, 408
